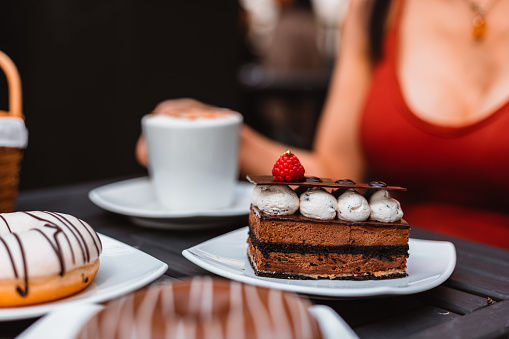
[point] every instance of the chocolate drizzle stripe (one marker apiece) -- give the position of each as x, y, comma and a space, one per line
10, 257
22, 291
51, 224
378, 251
86, 226
6, 224
56, 248
79, 237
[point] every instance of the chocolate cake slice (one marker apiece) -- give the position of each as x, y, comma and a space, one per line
299, 247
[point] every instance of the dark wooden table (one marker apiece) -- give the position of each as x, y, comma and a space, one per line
472, 303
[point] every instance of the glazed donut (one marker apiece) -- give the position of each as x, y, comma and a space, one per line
204, 307
45, 256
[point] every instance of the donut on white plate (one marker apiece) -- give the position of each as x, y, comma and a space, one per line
45, 256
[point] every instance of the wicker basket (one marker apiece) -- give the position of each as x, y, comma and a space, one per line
10, 157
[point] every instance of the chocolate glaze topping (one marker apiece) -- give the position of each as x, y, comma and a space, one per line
345, 182
269, 180
378, 184
311, 179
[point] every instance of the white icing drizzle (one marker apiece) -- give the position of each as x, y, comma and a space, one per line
207, 299
255, 305
180, 330
298, 323
306, 330
191, 328
214, 330
235, 320
92, 331
145, 313
195, 294
112, 317
278, 314
127, 326
169, 304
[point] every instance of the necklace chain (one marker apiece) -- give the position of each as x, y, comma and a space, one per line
479, 20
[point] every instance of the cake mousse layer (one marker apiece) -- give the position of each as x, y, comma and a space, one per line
303, 248
297, 229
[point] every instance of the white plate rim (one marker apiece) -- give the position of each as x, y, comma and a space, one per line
27, 312
247, 276
96, 195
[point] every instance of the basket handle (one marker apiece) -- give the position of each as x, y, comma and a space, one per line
14, 85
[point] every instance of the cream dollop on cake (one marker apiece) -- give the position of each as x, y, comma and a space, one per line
352, 206
384, 208
317, 203
275, 199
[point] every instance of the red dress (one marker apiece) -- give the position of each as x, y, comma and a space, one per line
457, 178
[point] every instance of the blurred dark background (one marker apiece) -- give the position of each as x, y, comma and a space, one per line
90, 70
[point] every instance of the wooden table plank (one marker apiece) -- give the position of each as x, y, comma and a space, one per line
494, 269
359, 312
490, 253
489, 322
463, 247
14, 328
415, 321
490, 269
453, 300
475, 283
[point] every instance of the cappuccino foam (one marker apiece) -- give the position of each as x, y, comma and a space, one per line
195, 117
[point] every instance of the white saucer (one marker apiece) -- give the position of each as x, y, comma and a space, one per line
430, 263
135, 198
123, 269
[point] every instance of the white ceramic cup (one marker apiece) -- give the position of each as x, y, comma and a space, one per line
193, 158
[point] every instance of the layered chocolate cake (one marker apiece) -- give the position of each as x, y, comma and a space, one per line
316, 228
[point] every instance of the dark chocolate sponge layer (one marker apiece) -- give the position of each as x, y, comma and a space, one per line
380, 251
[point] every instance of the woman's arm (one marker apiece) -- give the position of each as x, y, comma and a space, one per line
337, 150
